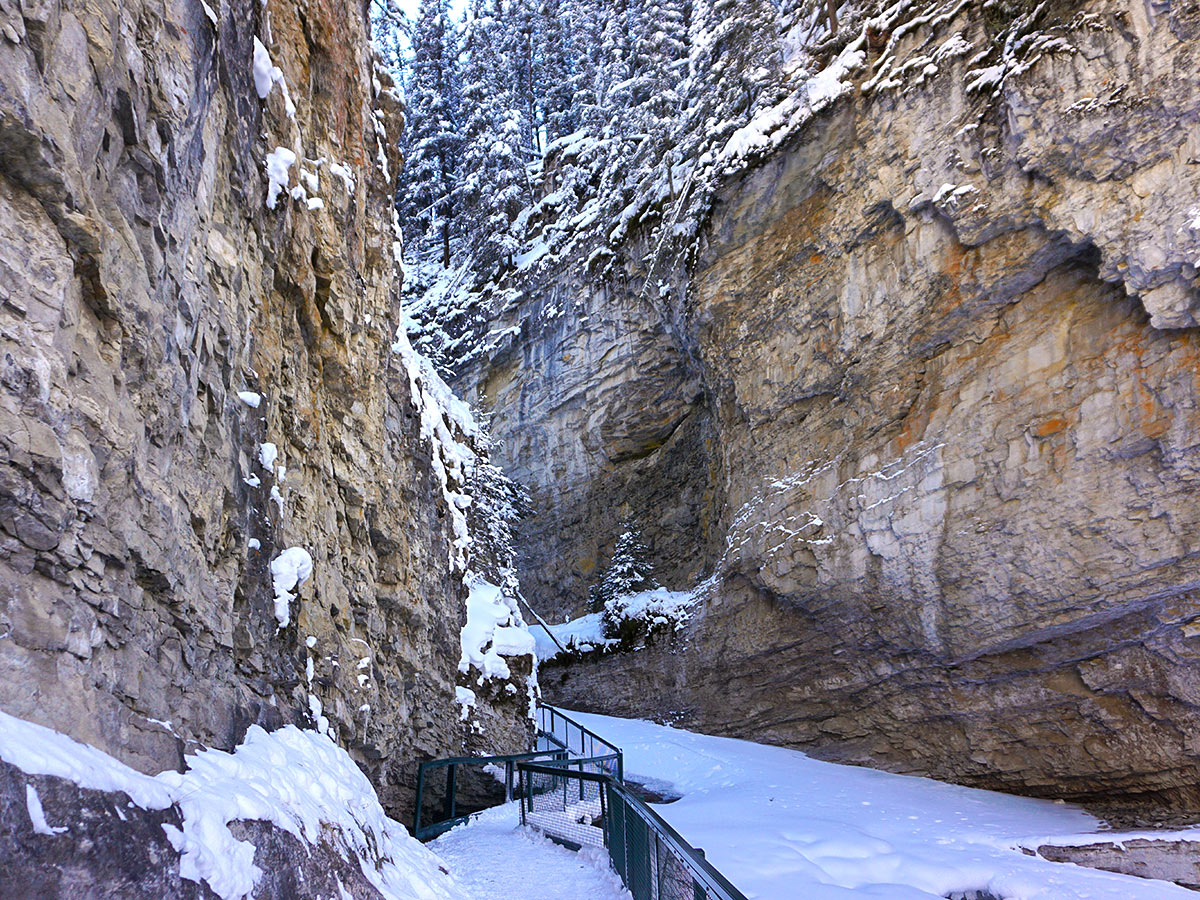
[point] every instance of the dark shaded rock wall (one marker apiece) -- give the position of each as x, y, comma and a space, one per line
601, 414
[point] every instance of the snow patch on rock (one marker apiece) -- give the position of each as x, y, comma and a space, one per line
289, 570
448, 426
279, 161
299, 781
493, 631
267, 75
267, 454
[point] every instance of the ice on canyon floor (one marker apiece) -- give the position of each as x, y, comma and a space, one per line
781, 825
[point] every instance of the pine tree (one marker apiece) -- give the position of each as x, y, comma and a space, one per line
494, 187
519, 53
390, 33
821, 13
648, 91
660, 56
629, 571
498, 504
576, 176
558, 70
739, 56
432, 141
616, 64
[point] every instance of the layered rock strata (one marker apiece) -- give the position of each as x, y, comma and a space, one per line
934, 390
197, 306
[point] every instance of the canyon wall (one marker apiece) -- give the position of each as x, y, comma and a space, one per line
925, 411
168, 306
600, 411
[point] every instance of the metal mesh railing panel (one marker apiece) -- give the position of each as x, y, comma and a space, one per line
637, 858
557, 730
674, 880
652, 865
565, 807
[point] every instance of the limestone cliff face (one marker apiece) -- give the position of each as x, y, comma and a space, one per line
144, 283
602, 414
927, 407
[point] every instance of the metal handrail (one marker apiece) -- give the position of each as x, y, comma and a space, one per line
556, 771
567, 761
584, 731
556, 712
509, 760
483, 760
550, 736
717, 883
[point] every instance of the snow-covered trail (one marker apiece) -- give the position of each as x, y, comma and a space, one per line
493, 858
782, 826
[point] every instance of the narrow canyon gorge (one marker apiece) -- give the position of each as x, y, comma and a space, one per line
891, 380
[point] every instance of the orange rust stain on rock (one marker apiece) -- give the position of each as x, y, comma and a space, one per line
954, 260
1050, 426
913, 428
950, 298
1152, 420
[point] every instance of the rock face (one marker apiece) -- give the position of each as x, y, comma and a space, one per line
106, 853
107, 846
927, 409
159, 324
602, 415
1170, 860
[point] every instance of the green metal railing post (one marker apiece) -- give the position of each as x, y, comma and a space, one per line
452, 789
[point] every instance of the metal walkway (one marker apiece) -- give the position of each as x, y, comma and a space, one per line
571, 788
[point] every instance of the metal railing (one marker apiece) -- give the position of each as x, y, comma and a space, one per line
579, 808
571, 788
450, 791
653, 859
558, 731
566, 804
